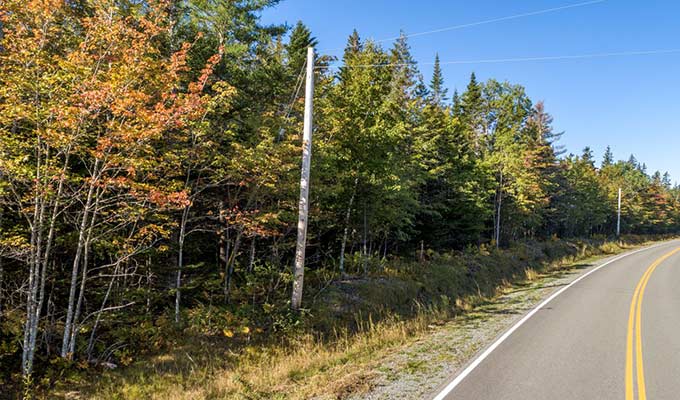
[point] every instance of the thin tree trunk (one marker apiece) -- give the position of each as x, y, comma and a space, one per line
90, 343
232, 260
223, 243
50, 235
42, 256
83, 278
148, 284
237, 246
251, 263
31, 326
498, 213
225, 252
76, 265
2, 273
348, 214
180, 261
363, 246
385, 249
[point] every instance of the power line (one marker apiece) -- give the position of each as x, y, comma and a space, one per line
298, 86
519, 59
296, 93
488, 21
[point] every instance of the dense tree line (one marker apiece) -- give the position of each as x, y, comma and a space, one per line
149, 168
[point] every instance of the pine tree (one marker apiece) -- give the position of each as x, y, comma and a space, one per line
472, 113
300, 39
438, 92
666, 180
587, 155
354, 45
456, 104
608, 157
353, 48
404, 71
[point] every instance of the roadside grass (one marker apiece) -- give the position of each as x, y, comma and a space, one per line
358, 323
303, 368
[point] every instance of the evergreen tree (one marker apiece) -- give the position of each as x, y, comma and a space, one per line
587, 156
300, 39
438, 92
608, 157
666, 180
456, 104
472, 112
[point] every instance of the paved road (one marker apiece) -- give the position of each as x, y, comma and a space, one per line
614, 334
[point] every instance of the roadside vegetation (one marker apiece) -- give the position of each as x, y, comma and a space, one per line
339, 354
149, 182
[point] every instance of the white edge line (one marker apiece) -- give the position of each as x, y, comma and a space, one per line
449, 388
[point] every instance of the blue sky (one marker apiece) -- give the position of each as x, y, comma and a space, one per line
628, 102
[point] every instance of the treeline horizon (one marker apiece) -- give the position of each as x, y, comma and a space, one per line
150, 166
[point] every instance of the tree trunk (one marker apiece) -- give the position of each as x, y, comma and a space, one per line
32, 310
180, 261
83, 278
232, 260
348, 214
364, 250
498, 213
90, 343
224, 243
76, 265
2, 273
251, 263
385, 249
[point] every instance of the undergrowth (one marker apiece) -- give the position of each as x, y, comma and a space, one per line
333, 350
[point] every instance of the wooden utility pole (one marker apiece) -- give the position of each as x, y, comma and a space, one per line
299, 272
618, 217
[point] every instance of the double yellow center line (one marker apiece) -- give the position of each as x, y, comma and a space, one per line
635, 333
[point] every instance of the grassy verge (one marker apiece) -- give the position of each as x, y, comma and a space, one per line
356, 325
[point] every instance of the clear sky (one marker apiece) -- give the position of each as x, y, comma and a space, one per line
628, 102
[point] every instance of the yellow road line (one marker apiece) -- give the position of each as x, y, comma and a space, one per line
629, 344
635, 332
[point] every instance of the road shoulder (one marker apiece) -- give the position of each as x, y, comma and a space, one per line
421, 368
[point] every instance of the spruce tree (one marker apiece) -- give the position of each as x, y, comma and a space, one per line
300, 39
471, 112
587, 155
666, 180
353, 43
608, 157
353, 48
404, 71
457, 106
437, 90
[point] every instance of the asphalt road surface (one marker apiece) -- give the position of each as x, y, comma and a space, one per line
612, 334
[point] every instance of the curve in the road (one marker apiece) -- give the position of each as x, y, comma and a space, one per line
506, 370
635, 333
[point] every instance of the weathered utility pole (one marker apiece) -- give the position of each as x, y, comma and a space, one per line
299, 272
618, 217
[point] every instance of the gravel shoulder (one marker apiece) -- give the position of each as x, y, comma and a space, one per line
419, 368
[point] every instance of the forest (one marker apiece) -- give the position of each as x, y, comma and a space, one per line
150, 157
